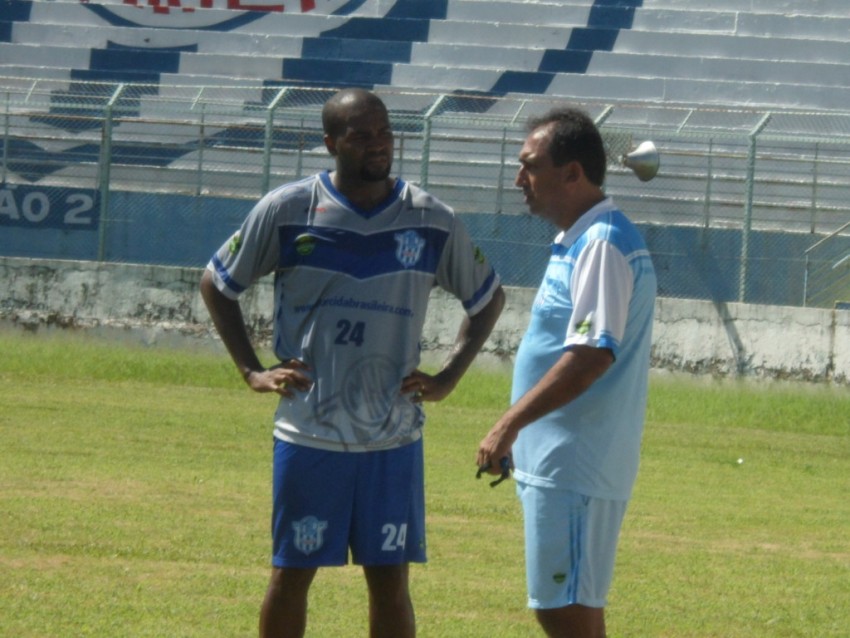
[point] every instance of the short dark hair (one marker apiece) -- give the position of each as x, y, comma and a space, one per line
574, 138
338, 108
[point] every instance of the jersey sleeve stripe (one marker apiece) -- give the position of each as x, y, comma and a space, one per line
224, 276
480, 298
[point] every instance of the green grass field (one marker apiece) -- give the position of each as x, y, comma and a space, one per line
134, 501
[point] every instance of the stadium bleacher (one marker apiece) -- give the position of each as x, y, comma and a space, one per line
669, 51
661, 63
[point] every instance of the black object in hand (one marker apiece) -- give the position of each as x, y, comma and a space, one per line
504, 463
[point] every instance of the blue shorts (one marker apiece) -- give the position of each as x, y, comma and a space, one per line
326, 503
570, 544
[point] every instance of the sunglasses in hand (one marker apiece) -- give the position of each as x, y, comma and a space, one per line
504, 464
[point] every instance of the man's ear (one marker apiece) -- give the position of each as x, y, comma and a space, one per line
573, 172
330, 144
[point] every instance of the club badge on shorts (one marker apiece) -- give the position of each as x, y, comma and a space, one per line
309, 535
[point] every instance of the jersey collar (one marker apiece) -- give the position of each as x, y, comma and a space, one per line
395, 193
569, 236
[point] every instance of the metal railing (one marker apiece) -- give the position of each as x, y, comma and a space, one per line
739, 193
827, 276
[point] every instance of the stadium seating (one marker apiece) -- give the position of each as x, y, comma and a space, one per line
770, 54
663, 51
654, 61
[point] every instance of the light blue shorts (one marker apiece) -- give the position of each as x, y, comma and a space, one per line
326, 503
570, 544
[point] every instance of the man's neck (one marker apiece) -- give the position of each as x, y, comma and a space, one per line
364, 195
580, 208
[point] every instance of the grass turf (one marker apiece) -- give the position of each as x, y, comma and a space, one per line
134, 492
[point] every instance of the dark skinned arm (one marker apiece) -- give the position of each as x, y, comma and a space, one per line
472, 335
226, 315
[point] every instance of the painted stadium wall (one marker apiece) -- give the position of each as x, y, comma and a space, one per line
159, 305
692, 262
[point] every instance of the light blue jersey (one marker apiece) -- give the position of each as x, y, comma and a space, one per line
351, 292
598, 290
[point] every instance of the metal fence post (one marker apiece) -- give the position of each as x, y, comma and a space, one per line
299, 163
748, 208
603, 117
806, 280
706, 206
202, 143
5, 138
426, 142
500, 188
105, 162
814, 208
268, 141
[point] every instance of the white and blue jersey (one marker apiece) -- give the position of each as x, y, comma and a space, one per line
351, 293
598, 290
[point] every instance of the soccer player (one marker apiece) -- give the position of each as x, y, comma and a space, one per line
355, 254
580, 379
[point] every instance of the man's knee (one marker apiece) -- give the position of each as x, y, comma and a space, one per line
573, 621
291, 581
388, 584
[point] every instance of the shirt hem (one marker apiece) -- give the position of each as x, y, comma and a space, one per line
341, 446
549, 484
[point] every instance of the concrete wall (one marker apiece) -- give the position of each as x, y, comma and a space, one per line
161, 306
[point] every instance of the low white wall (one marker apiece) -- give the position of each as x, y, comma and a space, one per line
161, 305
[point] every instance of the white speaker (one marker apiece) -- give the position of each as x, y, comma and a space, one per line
644, 161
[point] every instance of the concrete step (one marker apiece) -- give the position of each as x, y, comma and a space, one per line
243, 46
441, 34
612, 77
653, 66
605, 63
826, 8
270, 23
487, 27
747, 47
502, 19
98, 36
682, 91
537, 14
44, 55
804, 27
833, 8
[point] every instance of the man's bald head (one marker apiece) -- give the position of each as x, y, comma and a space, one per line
345, 104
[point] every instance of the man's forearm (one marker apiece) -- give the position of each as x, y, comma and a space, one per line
228, 320
472, 336
576, 370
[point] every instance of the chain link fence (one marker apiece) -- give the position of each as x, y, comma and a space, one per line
748, 206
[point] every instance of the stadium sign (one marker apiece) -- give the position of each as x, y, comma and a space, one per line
48, 207
218, 15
